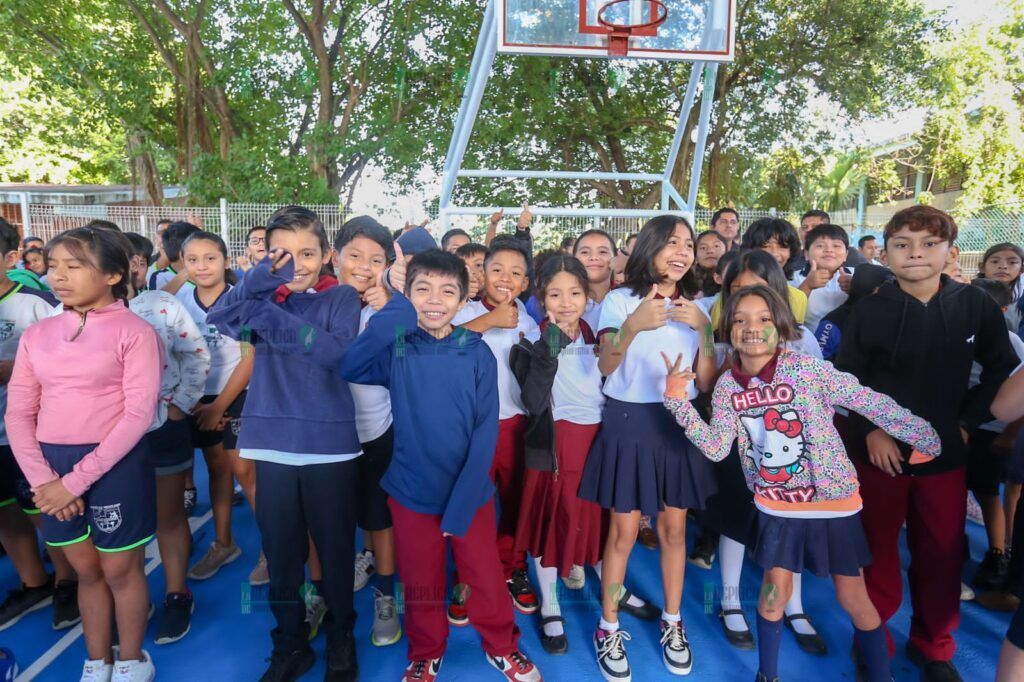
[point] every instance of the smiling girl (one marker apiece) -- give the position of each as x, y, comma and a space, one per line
638, 463
779, 405
90, 469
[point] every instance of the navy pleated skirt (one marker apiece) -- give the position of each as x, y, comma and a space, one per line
643, 460
834, 546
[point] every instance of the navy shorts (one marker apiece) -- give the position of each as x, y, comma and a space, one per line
120, 508
14, 488
171, 447
372, 511
229, 436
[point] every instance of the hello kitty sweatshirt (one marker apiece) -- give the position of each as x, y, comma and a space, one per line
793, 458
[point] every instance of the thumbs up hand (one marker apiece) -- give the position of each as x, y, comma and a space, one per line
649, 315
377, 296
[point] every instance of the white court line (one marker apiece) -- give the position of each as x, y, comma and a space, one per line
69, 637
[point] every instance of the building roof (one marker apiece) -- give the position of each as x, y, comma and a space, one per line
81, 195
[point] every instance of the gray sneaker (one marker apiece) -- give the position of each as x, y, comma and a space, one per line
217, 556
387, 628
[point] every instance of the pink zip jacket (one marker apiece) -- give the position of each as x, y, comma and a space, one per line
101, 387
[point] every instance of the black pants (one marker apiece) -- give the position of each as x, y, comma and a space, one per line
318, 499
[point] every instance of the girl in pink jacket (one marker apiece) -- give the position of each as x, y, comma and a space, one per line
83, 393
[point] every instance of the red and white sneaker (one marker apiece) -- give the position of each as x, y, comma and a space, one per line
458, 614
516, 667
422, 671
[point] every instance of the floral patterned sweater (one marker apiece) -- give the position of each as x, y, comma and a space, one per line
793, 458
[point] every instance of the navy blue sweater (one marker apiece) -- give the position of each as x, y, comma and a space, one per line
444, 402
297, 400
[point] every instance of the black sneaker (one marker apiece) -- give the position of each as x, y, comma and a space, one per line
703, 554
993, 570
177, 618
65, 605
523, 596
289, 667
341, 660
25, 600
931, 670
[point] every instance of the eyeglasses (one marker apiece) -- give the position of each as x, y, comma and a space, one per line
257, 241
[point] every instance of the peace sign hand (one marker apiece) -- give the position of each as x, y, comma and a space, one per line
678, 380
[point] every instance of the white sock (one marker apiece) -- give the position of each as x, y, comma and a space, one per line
671, 618
608, 627
597, 569
796, 605
547, 580
730, 563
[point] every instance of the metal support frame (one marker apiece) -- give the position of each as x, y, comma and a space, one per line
480, 73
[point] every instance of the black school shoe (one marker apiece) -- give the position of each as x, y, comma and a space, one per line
289, 667
933, 671
557, 645
741, 639
646, 612
25, 600
341, 660
65, 605
992, 572
812, 644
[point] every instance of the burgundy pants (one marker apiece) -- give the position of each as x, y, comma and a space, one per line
421, 553
934, 508
508, 473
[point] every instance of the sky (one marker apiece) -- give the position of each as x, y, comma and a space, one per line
396, 204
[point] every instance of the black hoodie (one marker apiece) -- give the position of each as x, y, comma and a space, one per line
921, 354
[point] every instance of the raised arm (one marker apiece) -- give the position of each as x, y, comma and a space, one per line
714, 440
368, 360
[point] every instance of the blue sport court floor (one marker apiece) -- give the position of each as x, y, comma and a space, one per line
230, 629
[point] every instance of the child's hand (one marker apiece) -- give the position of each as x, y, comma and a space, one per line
677, 382
816, 278
76, 508
397, 271
649, 315
377, 296
884, 453
845, 279
506, 314
474, 285
52, 497
526, 217
208, 416
689, 313
278, 259
567, 328
497, 217
243, 263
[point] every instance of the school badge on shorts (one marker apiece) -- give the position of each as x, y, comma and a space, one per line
107, 517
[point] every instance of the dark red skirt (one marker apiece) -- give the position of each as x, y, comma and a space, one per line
554, 523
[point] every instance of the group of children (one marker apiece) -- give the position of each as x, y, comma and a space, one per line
518, 410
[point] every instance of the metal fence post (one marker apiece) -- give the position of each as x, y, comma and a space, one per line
224, 232
26, 221
142, 225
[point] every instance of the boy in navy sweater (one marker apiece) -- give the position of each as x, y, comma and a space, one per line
443, 383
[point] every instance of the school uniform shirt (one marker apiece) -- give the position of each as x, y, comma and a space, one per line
592, 313
793, 458
102, 387
186, 356
500, 341
225, 352
373, 403
20, 308
576, 393
823, 300
640, 377
995, 425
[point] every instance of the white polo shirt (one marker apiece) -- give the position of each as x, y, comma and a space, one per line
824, 300
225, 352
640, 377
373, 403
500, 341
576, 393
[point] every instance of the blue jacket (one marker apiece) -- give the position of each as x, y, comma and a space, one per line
444, 402
297, 400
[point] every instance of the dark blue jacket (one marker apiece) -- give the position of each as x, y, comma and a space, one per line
297, 400
444, 402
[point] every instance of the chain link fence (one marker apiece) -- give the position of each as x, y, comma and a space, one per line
978, 229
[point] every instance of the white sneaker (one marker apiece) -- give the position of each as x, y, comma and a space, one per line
675, 649
366, 566
134, 671
96, 671
966, 593
577, 578
611, 655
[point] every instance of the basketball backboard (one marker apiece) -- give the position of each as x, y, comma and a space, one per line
686, 30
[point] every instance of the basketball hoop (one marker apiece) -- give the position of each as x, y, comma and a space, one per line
619, 34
